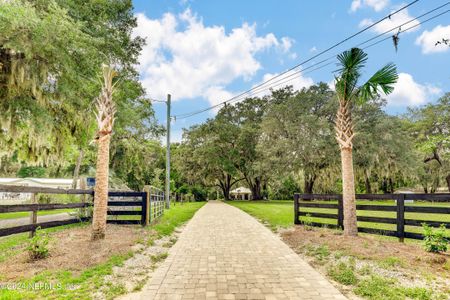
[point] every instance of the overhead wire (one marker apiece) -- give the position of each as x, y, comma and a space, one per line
373, 44
303, 62
284, 80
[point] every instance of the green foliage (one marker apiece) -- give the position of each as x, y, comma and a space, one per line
284, 188
379, 288
159, 257
320, 252
391, 262
343, 273
176, 216
351, 63
37, 172
38, 245
435, 240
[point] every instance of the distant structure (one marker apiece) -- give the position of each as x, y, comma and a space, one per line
56, 183
241, 193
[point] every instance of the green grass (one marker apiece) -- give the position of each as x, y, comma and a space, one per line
176, 216
24, 214
281, 213
274, 213
379, 288
82, 286
343, 273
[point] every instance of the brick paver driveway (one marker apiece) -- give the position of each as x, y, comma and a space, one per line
223, 253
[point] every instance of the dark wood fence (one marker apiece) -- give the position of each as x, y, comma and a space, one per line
400, 208
120, 203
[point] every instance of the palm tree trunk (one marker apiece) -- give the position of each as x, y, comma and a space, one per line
348, 193
101, 189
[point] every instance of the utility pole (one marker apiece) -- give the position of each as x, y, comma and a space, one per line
168, 154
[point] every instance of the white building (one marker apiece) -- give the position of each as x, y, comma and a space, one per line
8, 198
241, 193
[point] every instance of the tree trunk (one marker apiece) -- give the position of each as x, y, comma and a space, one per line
225, 186
367, 183
309, 184
256, 189
348, 193
76, 172
448, 182
391, 186
101, 189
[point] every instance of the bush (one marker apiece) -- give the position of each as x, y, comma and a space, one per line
38, 245
343, 274
31, 171
435, 240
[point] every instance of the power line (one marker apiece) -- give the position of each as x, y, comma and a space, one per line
373, 44
284, 81
301, 63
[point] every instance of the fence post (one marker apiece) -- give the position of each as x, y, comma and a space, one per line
147, 203
401, 217
33, 214
296, 208
340, 212
144, 210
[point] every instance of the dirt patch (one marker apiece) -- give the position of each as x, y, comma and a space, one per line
73, 250
352, 263
370, 248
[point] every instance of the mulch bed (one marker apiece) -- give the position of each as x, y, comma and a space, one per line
371, 248
72, 250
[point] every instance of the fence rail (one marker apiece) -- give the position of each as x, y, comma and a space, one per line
121, 204
308, 201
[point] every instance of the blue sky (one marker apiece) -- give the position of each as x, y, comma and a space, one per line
204, 52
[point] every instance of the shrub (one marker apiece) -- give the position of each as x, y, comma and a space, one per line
38, 245
435, 240
343, 273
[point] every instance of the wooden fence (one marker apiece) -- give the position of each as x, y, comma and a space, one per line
120, 204
155, 203
400, 208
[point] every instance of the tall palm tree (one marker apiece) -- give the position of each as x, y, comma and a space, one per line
106, 110
350, 64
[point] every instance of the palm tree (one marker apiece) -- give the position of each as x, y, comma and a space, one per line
351, 62
105, 120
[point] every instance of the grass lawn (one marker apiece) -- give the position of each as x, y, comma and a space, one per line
68, 285
24, 214
281, 213
274, 213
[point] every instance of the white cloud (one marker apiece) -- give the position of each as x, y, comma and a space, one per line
395, 21
377, 5
188, 59
408, 92
427, 40
313, 49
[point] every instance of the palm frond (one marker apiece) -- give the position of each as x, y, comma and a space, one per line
350, 62
383, 80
